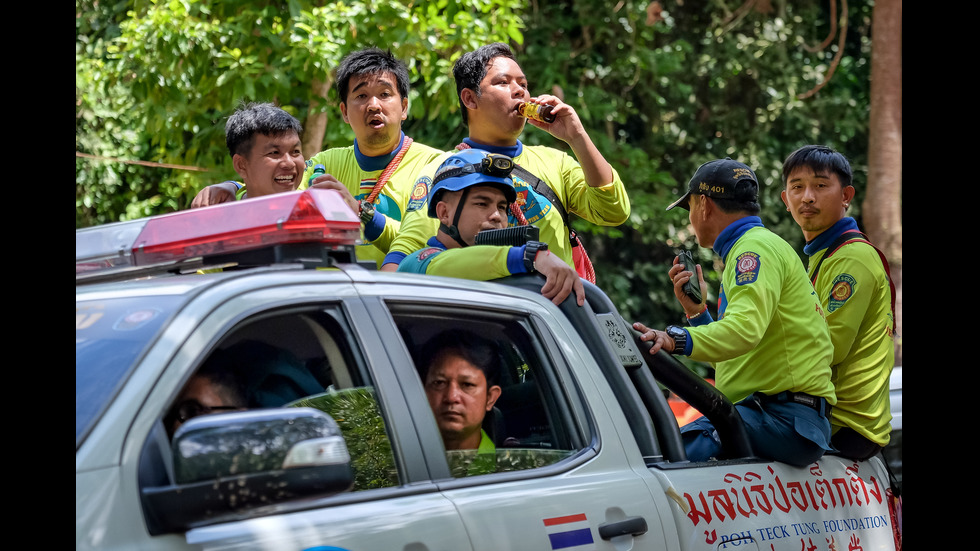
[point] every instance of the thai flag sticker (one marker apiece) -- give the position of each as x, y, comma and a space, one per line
569, 532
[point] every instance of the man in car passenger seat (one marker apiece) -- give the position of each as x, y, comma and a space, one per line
854, 287
770, 346
460, 372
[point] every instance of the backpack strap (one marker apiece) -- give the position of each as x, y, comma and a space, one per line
852, 236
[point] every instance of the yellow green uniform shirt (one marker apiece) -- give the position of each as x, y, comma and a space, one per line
853, 288
359, 173
606, 205
771, 335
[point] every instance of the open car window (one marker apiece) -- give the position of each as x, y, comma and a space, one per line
304, 358
533, 421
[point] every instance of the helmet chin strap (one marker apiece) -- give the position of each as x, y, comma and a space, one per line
453, 230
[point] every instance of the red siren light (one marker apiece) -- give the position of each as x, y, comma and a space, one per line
309, 216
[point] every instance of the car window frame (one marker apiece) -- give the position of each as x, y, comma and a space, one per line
223, 319
539, 330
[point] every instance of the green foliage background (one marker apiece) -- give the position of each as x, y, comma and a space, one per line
663, 87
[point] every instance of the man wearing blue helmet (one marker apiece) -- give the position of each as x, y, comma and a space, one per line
472, 191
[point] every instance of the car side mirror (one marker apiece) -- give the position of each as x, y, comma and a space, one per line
226, 462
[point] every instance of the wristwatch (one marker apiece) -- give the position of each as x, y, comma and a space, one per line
680, 338
367, 211
531, 250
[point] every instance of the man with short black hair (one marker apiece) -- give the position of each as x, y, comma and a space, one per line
376, 174
770, 346
460, 372
852, 281
265, 148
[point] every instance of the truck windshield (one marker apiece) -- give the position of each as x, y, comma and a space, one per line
110, 337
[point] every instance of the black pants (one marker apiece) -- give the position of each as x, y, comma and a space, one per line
852, 445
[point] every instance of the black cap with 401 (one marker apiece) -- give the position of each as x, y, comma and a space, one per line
716, 179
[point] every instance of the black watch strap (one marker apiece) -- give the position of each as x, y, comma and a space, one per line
367, 212
680, 338
531, 250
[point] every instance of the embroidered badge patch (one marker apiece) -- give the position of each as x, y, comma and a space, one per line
747, 268
427, 253
421, 190
534, 205
840, 291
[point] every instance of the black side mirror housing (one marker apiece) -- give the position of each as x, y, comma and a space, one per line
227, 462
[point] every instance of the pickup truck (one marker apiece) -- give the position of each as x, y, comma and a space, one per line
588, 452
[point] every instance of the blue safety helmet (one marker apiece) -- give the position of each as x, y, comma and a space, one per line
470, 167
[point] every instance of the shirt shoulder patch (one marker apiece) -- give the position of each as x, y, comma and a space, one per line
428, 252
747, 268
419, 194
841, 290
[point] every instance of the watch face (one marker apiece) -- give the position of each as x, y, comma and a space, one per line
675, 331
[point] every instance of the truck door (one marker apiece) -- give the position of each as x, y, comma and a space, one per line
562, 477
327, 343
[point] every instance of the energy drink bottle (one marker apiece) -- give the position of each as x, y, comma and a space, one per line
536, 111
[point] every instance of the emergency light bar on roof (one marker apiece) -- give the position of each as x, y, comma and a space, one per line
313, 216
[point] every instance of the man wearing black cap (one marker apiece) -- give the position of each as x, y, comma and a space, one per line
770, 347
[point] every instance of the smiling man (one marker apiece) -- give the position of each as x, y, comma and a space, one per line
852, 281
263, 141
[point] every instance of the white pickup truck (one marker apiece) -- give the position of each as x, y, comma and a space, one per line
588, 453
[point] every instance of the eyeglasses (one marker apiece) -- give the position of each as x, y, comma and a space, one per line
189, 409
494, 164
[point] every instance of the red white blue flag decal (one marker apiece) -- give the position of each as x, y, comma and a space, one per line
571, 531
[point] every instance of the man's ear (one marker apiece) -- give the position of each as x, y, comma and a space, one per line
446, 206
240, 163
404, 109
706, 206
443, 212
849, 192
492, 394
343, 112
782, 195
468, 97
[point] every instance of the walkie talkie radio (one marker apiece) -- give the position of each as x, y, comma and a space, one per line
692, 288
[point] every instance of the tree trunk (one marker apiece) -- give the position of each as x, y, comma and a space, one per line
315, 126
882, 206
